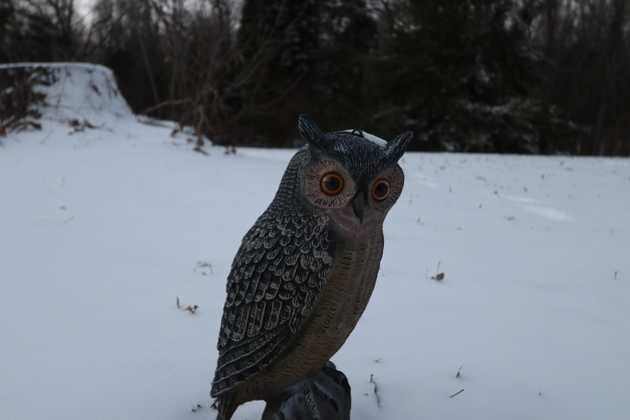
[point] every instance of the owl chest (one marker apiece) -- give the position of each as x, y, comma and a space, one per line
347, 291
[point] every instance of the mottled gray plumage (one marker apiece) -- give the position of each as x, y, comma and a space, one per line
306, 269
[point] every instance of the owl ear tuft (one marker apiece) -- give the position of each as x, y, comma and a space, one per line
395, 148
310, 132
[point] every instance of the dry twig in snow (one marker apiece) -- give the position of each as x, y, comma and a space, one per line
376, 392
189, 308
456, 394
439, 276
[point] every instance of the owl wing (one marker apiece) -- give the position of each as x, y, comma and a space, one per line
274, 284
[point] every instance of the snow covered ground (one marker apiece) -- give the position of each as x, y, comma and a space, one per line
100, 230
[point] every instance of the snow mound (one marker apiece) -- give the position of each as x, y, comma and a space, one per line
77, 91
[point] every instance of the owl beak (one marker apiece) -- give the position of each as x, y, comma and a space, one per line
358, 205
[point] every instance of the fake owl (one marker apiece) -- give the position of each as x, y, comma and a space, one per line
305, 271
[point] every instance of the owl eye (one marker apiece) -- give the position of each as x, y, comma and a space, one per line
380, 190
331, 183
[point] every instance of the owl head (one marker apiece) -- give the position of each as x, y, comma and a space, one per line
352, 177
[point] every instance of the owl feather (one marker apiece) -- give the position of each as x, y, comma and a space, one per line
274, 284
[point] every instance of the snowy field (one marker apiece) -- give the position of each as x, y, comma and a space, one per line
100, 230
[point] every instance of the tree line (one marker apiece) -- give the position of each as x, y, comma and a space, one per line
504, 76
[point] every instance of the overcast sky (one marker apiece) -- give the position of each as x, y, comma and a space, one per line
83, 6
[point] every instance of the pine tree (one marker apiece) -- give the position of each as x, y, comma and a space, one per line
349, 37
280, 38
463, 74
314, 55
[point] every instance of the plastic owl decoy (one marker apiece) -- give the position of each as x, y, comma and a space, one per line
305, 271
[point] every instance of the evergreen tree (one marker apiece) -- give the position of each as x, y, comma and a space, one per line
464, 75
349, 37
313, 54
280, 39
7, 28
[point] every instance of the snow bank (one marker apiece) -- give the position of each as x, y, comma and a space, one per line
77, 91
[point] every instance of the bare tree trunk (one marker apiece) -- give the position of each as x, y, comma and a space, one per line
551, 24
147, 19
608, 109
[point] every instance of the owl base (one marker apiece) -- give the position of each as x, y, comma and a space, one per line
324, 396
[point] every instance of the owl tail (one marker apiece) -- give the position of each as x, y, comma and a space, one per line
225, 406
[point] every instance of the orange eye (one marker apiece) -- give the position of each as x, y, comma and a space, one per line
331, 183
380, 190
